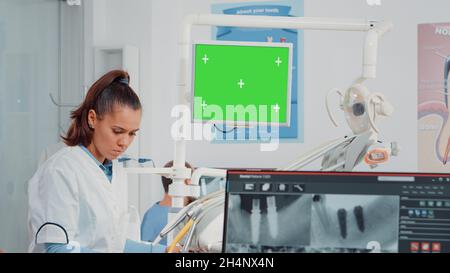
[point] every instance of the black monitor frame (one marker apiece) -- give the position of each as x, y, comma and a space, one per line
406, 180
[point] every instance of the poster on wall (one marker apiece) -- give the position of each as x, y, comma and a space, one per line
2, 100
293, 133
433, 97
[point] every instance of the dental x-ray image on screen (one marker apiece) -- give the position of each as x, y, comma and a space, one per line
354, 222
336, 212
312, 223
265, 223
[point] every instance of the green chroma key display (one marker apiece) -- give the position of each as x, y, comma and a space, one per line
254, 79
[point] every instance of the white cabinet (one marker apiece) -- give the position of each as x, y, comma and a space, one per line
124, 58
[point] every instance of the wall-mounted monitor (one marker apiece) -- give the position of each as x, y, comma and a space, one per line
241, 83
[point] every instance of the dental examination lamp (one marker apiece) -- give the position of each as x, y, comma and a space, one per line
361, 108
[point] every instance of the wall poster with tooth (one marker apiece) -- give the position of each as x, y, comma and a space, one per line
291, 8
433, 98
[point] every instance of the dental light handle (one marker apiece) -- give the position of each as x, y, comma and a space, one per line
378, 105
327, 104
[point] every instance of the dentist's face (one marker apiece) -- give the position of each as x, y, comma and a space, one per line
113, 132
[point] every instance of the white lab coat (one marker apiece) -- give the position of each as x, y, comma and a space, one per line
71, 190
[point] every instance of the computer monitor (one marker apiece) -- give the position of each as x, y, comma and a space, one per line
270, 211
242, 83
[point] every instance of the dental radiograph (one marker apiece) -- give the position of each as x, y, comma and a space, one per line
255, 221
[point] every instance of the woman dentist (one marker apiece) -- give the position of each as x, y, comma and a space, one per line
77, 198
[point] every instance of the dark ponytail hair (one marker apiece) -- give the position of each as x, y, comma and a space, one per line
110, 90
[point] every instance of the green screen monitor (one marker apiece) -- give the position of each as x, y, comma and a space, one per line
242, 83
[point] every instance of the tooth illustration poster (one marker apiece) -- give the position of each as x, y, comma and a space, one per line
433, 97
291, 8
